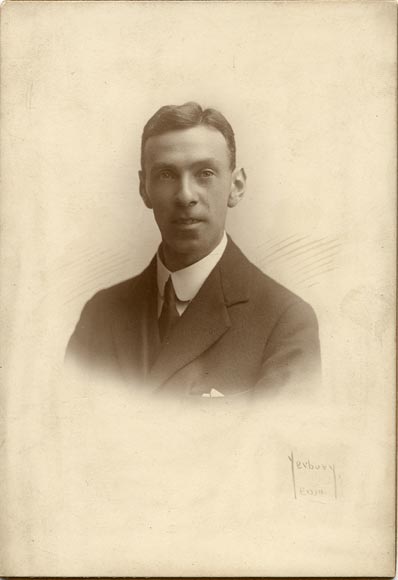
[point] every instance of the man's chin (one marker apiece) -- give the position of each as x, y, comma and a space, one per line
183, 253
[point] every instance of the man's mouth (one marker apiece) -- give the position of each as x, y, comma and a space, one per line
186, 221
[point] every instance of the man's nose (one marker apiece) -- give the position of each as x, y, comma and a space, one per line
187, 194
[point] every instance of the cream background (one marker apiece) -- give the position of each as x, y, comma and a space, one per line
99, 483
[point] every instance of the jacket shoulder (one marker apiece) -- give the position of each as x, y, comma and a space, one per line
265, 286
113, 294
92, 337
261, 287
124, 293
274, 301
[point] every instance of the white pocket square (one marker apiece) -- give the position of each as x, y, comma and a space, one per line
213, 393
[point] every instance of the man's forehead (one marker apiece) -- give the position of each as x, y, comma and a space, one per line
186, 145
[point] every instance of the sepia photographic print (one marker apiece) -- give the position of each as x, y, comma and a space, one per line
198, 221
201, 319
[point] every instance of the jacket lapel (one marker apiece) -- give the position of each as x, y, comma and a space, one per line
206, 319
203, 322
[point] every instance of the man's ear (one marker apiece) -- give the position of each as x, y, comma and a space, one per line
238, 185
143, 191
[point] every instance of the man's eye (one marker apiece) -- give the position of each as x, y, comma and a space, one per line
206, 173
165, 174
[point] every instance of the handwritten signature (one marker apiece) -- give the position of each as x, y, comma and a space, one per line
307, 479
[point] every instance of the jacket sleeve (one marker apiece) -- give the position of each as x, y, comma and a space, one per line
292, 352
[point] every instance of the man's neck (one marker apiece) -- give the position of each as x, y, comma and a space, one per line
188, 280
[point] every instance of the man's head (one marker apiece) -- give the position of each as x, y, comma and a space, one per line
189, 178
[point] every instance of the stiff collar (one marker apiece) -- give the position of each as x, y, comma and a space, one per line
188, 281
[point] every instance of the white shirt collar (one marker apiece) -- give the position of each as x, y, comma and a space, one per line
188, 281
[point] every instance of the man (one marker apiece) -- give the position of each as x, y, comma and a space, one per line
200, 320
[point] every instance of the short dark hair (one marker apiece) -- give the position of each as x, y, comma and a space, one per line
186, 116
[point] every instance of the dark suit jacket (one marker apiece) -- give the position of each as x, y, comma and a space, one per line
243, 332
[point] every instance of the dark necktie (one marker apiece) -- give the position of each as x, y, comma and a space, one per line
169, 314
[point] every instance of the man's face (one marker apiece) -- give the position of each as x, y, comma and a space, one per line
188, 182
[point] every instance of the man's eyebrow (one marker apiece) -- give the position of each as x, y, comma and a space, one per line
162, 165
165, 165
